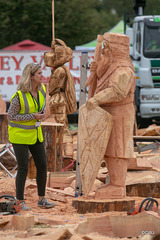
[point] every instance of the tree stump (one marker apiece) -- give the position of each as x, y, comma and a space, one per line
97, 206
53, 142
144, 190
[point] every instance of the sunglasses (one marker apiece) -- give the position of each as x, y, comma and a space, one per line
34, 65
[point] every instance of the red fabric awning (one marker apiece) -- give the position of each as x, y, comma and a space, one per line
27, 45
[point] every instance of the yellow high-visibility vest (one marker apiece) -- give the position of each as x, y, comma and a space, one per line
27, 132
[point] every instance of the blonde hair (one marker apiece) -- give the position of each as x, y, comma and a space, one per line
24, 83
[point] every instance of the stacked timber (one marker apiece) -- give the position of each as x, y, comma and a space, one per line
75, 137
69, 151
68, 146
143, 177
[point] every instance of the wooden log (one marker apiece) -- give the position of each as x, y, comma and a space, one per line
97, 206
53, 141
144, 190
3, 128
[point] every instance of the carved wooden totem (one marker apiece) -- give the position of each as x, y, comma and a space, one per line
112, 86
61, 85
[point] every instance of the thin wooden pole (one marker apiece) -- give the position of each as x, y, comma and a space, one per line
52, 20
82, 100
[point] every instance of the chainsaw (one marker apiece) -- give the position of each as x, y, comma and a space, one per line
11, 206
151, 205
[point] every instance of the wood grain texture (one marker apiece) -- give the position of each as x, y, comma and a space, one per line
3, 129
94, 130
98, 206
53, 142
144, 190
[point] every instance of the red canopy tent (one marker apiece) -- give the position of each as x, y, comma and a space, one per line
27, 45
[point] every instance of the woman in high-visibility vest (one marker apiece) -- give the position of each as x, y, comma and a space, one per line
25, 113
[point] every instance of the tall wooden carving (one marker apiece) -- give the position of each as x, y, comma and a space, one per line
112, 86
61, 85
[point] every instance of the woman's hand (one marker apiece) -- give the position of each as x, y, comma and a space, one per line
40, 115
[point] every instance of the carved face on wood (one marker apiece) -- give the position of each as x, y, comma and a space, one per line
62, 53
116, 45
106, 48
118, 38
59, 55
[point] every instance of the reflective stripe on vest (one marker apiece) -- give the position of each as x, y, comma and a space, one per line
21, 126
25, 103
44, 95
26, 111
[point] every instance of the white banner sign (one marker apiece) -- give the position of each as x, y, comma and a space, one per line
12, 64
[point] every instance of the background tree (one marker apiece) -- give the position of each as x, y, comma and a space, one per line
80, 21
22, 19
76, 21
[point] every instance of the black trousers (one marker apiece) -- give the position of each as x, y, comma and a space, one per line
22, 154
